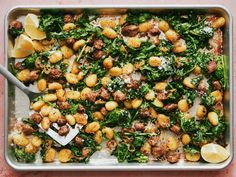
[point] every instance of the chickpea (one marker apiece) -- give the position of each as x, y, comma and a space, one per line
183, 105
188, 83
217, 95
84, 93
136, 103
155, 61
180, 46
66, 51
91, 80
157, 103
61, 95
30, 148
80, 76
55, 57
108, 63
92, 127
54, 115
192, 157
150, 95
145, 27
80, 118
38, 105
24, 75
49, 97
111, 105
128, 104
146, 148
42, 85
160, 86
69, 26
98, 137
70, 119
54, 86
50, 155
134, 42
172, 143
71, 78
108, 23
36, 141
98, 115
218, 23
109, 33
163, 120
128, 68
105, 80
20, 140
74, 68
172, 35
186, 139
213, 118
122, 19
115, 71
45, 110
201, 111
71, 94
163, 26
109, 133
64, 155
197, 70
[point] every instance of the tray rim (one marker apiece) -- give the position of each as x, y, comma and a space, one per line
121, 167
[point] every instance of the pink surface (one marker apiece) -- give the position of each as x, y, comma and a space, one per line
6, 171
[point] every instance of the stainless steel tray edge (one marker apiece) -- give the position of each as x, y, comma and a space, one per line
124, 166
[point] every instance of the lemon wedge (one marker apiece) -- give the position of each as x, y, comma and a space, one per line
23, 47
214, 153
32, 27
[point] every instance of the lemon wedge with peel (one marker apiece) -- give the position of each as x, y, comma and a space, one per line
214, 153
32, 27
23, 47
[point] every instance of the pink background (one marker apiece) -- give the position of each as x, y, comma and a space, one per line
6, 171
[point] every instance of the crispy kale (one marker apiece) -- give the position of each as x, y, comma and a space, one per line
50, 22
23, 156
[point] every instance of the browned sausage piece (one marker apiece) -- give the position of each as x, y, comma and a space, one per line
34, 75
158, 151
68, 18
216, 85
61, 121
27, 130
154, 31
64, 130
119, 96
173, 157
139, 126
130, 30
36, 117
97, 54
55, 73
63, 105
98, 44
112, 144
154, 140
104, 94
16, 24
78, 140
170, 107
211, 67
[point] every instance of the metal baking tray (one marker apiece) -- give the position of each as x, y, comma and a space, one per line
14, 101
